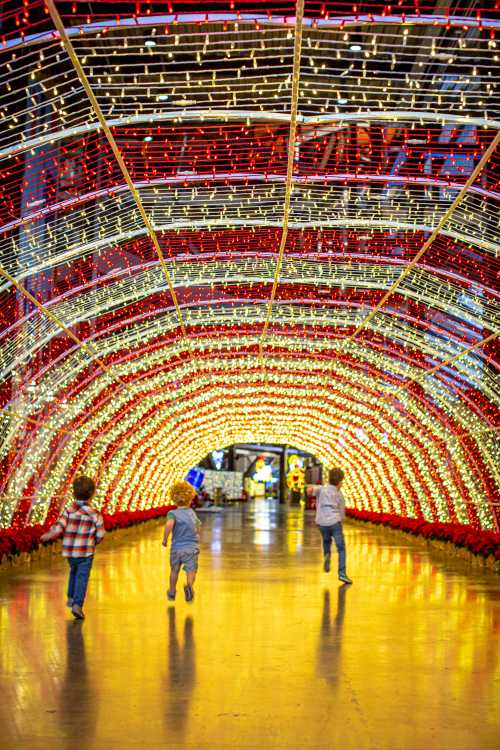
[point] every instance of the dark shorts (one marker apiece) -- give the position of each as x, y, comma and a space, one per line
188, 558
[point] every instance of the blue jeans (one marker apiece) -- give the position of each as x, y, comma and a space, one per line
334, 532
79, 573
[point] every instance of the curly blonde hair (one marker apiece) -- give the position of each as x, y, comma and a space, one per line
182, 493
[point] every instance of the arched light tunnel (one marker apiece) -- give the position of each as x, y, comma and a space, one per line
240, 236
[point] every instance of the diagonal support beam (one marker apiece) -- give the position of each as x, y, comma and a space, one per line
68, 46
59, 323
297, 52
449, 361
446, 216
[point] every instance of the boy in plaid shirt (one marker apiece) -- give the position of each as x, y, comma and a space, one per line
82, 528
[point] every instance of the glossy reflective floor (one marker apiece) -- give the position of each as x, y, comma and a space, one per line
272, 654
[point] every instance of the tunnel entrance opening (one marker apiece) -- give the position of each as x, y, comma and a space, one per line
256, 471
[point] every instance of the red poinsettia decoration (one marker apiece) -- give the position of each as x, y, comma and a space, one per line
125, 518
479, 542
27, 539
484, 543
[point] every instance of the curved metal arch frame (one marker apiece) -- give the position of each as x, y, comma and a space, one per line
242, 177
221, 115
377, 224
298, 304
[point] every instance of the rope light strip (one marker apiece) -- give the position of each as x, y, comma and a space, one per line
145, 279
227, 116
254, 177
110, 138
446, 216
342, 22
297, 50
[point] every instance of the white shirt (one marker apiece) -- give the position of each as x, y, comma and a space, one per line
330, 506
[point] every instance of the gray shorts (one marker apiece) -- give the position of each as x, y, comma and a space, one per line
188, 558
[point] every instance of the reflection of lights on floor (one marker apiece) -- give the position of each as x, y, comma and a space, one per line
264, 522
216, 531
262, 537
260, 603
215, 536
295, 523
294, 541
265, 526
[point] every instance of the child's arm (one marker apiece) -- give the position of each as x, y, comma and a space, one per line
56, 530
99, 529
168, 530
341, 506
319, 499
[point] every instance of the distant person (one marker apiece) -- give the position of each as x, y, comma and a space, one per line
82, 528
205, 497
330, 512
183, 524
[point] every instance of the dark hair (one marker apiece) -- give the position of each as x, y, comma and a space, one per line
336, 476
83, 488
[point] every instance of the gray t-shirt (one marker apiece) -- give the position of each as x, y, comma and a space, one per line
185, 533
330, 506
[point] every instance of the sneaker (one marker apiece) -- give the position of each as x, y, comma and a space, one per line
189, 593
326, 564
344, 578
69, 603
77, 612
171, 596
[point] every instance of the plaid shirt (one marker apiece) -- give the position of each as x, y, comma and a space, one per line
82, 527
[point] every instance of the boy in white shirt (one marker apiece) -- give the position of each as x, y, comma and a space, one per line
330, 512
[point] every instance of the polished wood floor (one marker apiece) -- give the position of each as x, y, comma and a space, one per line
272, 654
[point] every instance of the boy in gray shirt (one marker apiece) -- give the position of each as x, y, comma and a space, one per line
330, 512
183, 524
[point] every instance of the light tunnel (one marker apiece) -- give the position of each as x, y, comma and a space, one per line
249, 224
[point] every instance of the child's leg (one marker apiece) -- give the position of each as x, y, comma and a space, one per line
326, 533
191, 568
72, 578
175, 569
191, 577
174, 575
83, 568
338, 535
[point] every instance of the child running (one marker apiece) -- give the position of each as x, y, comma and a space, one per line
183, 524
330, 512
82, 528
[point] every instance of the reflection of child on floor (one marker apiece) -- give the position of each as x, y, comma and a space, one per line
183, 524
